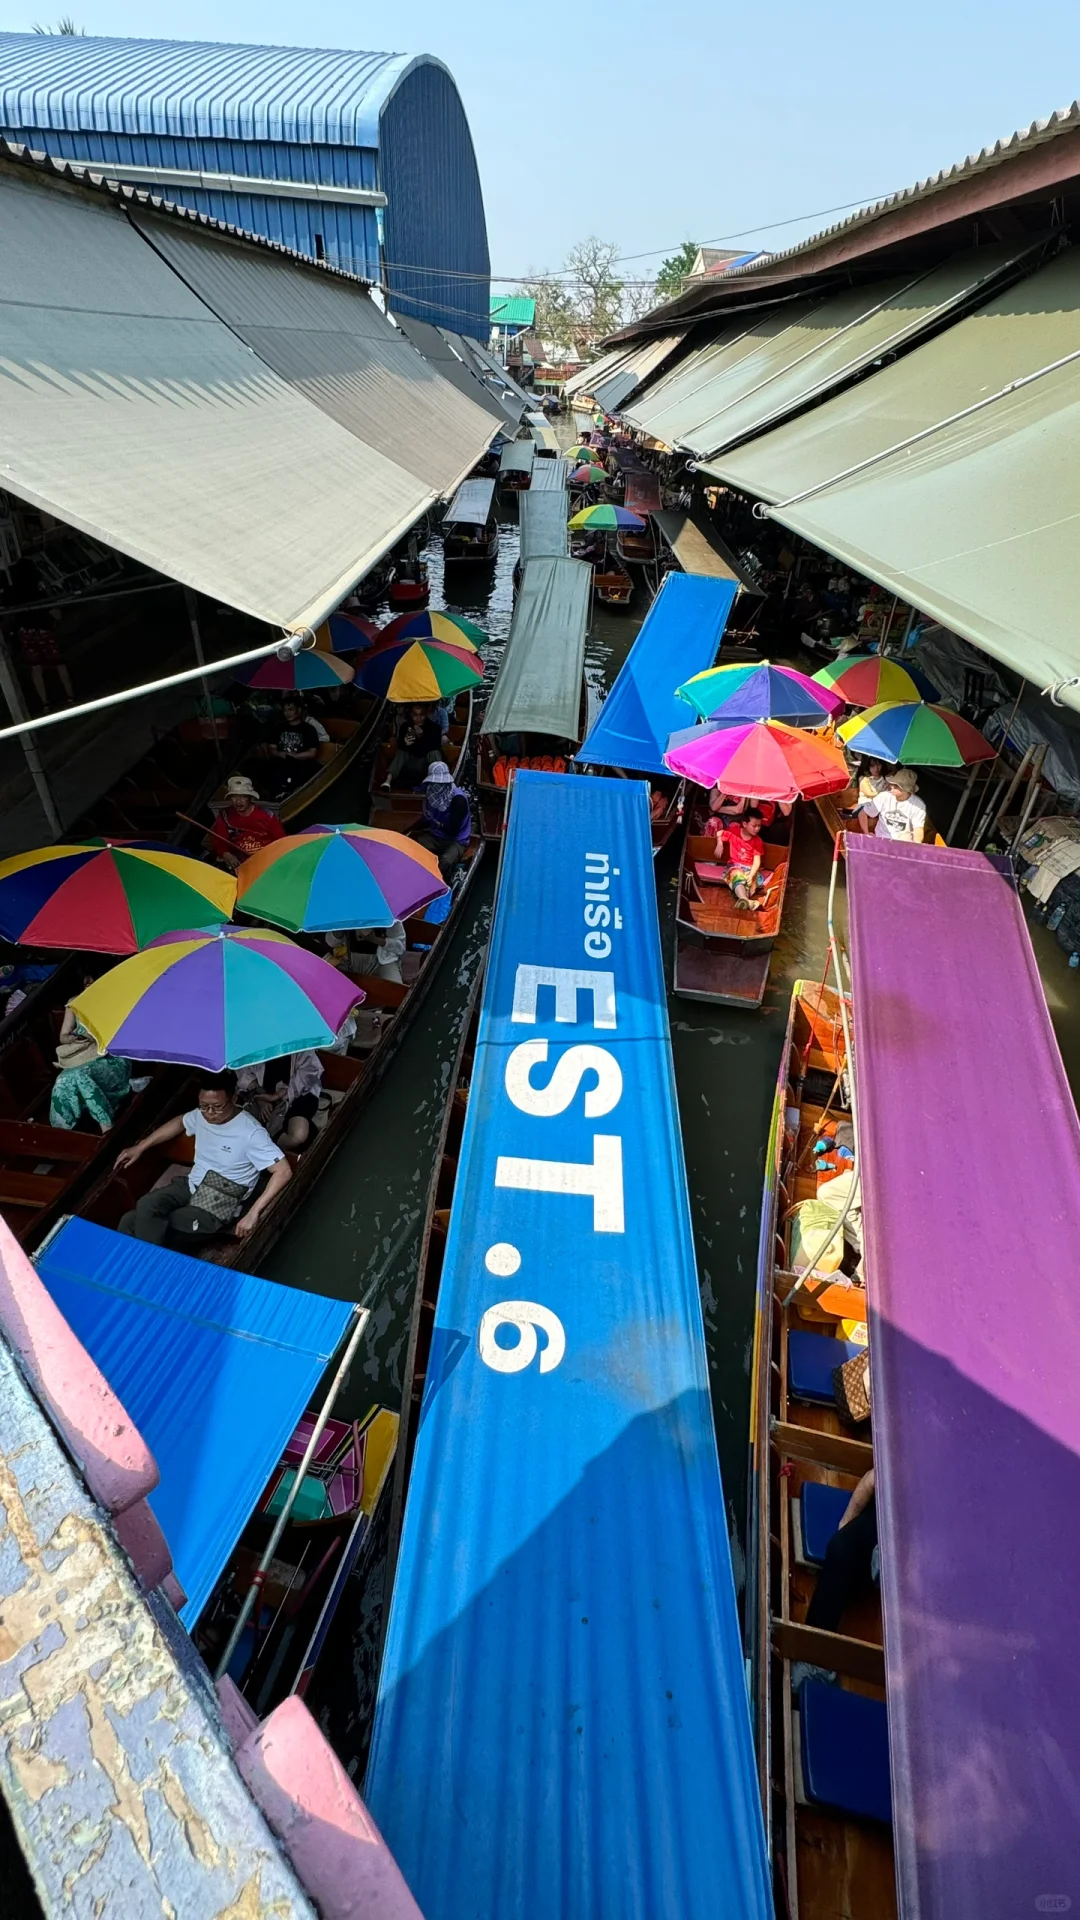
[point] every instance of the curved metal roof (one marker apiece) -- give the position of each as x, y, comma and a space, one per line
199, 89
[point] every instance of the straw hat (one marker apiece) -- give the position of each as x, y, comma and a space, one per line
905, 778
77, 1051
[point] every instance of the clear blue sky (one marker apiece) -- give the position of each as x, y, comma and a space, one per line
652, 121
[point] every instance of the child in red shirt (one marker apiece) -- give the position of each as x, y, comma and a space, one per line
745, 851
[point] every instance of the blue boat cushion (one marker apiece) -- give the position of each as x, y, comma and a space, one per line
822, 1511
845, 1751
812, 1360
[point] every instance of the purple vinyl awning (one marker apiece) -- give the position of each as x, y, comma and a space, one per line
970, 1152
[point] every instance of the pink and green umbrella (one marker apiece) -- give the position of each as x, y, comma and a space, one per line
866, 680
435, 624
607, 519
734, 694
918, 734
299, 672
333, 877
228, 998
588, 476
764, 760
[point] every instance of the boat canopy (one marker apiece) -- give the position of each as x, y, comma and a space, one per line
545, 438
517, 456
970, 1155
549, 476
949, 477
562, 1725
214, 1367
698, 548
642, 493
538, 686
544, 529
471, 504
680, 636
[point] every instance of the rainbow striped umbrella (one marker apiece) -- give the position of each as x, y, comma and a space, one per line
866, 680
764, 760
345, 633
608, 518
108, 896
405, 670
588, 476
583, 452
228, 998
437, 625
299, 672
916, 733
334, 877
732, 695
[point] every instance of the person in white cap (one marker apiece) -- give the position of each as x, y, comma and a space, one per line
242, 826
445, 826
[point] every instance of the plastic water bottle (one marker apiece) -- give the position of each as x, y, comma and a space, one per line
1074, 959
1056, 918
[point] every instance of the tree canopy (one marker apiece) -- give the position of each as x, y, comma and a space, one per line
673, 270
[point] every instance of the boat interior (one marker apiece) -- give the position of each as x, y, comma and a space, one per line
823, 1749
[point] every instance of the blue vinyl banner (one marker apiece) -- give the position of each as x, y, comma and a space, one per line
680, 636
562, 1724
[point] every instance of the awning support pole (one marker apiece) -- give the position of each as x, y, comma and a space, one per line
12, 692
965, 796
259, 1576
288, 643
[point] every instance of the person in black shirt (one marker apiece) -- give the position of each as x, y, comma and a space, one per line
420, 743
296, 746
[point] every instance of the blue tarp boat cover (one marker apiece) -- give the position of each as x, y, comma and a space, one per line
680, 636
562, 1724
215, 1368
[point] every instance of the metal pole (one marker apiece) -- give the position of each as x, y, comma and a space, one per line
191, 604
289, 643
1002, 810
259, 1577
962, 803
12, 691
1032, 792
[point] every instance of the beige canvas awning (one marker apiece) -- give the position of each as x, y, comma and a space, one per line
131, 411
329, 340
951, 477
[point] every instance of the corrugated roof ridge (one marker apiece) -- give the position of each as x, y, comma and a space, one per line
1062, 120
96, 178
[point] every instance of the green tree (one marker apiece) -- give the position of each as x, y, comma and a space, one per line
673, 270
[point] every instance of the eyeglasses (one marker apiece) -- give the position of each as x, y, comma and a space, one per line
210, 1107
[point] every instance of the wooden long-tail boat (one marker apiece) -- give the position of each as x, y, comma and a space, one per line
348, 741
349, 1080
805, 1464
403, 803
722, 949
470, 526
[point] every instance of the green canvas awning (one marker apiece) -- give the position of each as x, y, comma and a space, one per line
544, 530
951, 477
798, 356
517, 456
538, 687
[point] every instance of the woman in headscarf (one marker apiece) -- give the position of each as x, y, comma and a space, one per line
445, 826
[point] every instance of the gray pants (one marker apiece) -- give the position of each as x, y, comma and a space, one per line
448, 852
368, 963
166, 1210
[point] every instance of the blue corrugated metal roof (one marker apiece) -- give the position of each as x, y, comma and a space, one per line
680, 636
198, 88
215, 1368
562, 1724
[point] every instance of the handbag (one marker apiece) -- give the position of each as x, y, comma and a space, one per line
219, 1196
851, 1389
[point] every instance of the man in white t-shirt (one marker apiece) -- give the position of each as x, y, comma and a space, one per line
231, 1151
897, 812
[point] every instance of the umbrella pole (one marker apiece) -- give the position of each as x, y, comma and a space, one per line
259, 1577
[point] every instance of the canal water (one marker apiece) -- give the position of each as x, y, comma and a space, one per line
359, 1232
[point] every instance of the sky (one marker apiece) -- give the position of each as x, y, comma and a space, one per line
649, 122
